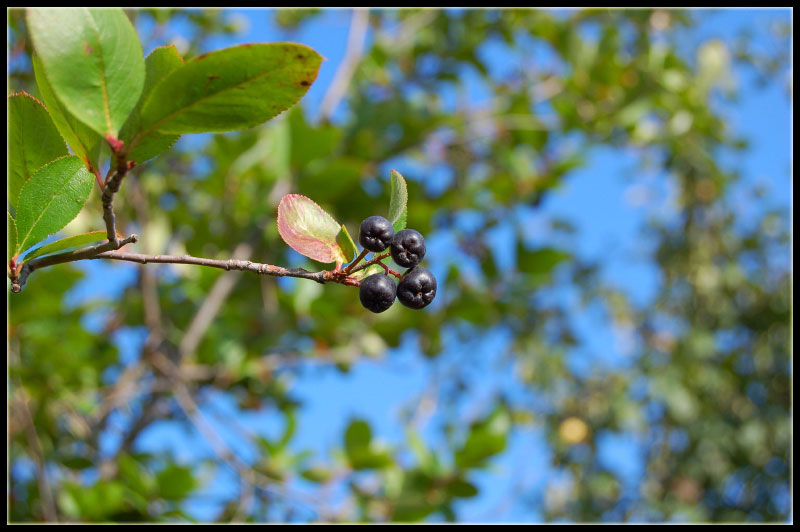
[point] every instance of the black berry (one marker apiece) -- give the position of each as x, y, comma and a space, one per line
417, 288
377, 292
408, 248
376, 233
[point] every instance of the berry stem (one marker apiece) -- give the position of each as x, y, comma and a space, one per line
389, 271
353, 264
370, 262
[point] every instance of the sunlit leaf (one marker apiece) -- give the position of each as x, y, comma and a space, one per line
33, 141
69, 242
93, 61
398, 202
12, 236
308, 229
175, 482
85, 142
50, 199
161, 62
346, 244
230, 89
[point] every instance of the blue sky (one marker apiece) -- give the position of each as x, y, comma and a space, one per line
609, 229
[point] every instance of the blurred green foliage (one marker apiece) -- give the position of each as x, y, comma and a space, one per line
621, 79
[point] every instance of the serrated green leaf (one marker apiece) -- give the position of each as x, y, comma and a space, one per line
67, 243
346, 244
84, 142
50, 199
398, 201
12, 237
161, 62
93, 60
230, 89
308, 229
33, 141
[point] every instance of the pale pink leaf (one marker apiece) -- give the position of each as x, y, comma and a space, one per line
308, 229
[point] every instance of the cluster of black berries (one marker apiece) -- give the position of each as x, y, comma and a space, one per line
417, 288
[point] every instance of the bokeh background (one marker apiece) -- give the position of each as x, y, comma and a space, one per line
605, 196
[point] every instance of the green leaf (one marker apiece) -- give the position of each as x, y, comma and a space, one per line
175, 482
161, 62
346, 244
308, 229
77, 462
67, 243
398, 202
486, 439
84, 142
358, 445
426, 460
479, 446
50, 199
12, 237
539, 261
230, 89
461, 488
288, 432
93, 503
135, 476
310, 143
33, 141
357, 435
93, 61
316, 474
371, 270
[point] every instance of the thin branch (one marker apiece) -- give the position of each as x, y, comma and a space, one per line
353, 264
192, 411
208, 310
321, 277
45, 492
374, 260
69, 256
122, 392
113, 182
355, 49
108, 251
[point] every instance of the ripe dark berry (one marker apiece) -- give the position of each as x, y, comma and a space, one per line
377, 292
376, 233
408, 248
417, 288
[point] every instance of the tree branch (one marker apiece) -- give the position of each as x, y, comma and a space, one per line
69, 256
212, 303
245, 471
45, 491
321, 277
355, 49
113, 182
